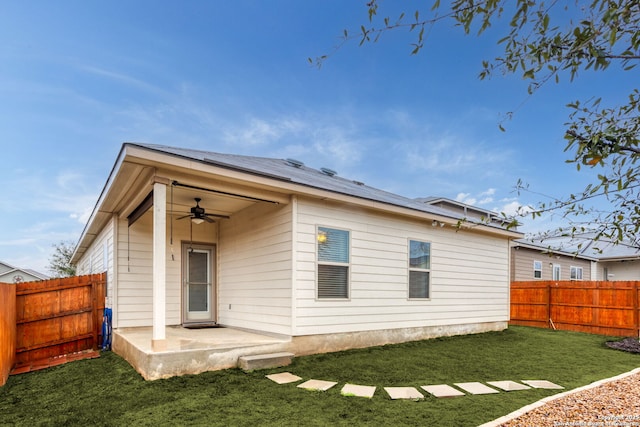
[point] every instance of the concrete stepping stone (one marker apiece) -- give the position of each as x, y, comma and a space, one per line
542, 384
358, 390
284, 378
403, 393
476, 388
508, 385
442, 390
319, 385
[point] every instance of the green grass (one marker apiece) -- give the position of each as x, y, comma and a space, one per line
107, 391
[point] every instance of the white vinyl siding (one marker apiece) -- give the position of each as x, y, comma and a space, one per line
98, 258
254, 264
469, 273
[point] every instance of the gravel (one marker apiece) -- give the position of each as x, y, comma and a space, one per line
612, 403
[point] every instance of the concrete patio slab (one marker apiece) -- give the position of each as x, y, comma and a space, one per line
542, 384
358, 390
191, 351
442, 390
403, 393
508, 385
319, 385
284, 378
476, 388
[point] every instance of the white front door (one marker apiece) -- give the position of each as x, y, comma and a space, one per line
198, 283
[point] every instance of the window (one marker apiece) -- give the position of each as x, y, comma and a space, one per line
537, 269
333, 263
556, 272
576, 273
419, 269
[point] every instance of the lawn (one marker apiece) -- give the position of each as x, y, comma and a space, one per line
107, 391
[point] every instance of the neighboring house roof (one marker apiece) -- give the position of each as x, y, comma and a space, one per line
584, 246
290, 170
8, 272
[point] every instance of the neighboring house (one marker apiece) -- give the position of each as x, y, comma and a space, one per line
292, 251
577, 258
11, 274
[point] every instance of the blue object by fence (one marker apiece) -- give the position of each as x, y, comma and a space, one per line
106, 329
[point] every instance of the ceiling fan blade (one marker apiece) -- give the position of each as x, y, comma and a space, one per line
206, 218
183, 217
217, 215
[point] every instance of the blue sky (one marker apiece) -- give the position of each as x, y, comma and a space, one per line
78, 78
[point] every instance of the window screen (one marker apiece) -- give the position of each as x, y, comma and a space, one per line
333, 263
419, 269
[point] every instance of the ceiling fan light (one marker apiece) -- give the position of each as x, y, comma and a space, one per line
197, 220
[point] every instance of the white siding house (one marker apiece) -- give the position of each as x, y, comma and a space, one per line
288, 250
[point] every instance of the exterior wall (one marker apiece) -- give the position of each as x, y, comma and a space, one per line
254, 269
133, 305
619, 270
469, 274
98, 258
522, 265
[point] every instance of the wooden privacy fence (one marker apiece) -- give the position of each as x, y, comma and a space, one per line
55, 318
7, 329
606, 308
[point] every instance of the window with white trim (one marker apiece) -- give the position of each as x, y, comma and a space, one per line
537, 269
333, 263
557, 272
576, 273
419, 269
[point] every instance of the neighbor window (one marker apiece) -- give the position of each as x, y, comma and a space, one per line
333, 263
556, 272
419, 269
537, 269
576, 273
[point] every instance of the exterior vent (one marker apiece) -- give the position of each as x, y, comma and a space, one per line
329, 172
295, 163
358, 182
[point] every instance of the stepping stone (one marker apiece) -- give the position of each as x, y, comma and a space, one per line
476, 388
318, 385
403, 393
508, 385
358, 390
284, 378
542, 384
442, 390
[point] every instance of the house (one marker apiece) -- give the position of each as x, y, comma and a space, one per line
191, 239
11, 274
580, 257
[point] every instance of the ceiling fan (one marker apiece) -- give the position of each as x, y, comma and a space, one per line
198, 214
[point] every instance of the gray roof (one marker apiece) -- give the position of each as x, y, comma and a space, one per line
583, 245
285, 170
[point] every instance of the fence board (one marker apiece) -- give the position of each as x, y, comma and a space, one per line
57, 317
607, 308
7, 329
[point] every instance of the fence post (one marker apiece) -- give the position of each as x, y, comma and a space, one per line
636, 321
549, 321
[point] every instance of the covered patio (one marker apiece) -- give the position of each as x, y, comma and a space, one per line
191, 351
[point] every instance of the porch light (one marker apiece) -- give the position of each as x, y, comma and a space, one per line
322, 237
197, 220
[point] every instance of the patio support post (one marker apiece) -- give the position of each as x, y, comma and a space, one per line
158, 341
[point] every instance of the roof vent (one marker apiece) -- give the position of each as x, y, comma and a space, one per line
358, 182
329, 172
295, 163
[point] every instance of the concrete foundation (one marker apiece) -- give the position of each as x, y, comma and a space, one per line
192, 351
